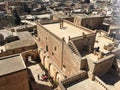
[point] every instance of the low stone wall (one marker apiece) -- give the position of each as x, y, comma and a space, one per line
101, 83
60, 87
116, 52
33, 53
17, 50
103, 65
76, 77
80, 75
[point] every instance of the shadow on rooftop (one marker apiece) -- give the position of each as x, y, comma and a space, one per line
111, 77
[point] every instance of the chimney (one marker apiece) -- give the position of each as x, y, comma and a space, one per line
69, 37
63, 39
61, 23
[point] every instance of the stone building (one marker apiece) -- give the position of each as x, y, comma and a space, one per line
55, 51
71, 52
13, 73
18, 42
2, 6
114, 31
91, 22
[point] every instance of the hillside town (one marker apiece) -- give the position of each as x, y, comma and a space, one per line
60, 44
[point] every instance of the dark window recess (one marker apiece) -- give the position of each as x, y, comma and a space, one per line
46, 38
64, 66
88, 39
55, 48
46, 47
39, 39
90, 27
1, 50
13, 51
52, 53
23, 49
87, 25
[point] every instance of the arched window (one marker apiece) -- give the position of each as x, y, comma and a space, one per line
52, 53
55, 48
46, 47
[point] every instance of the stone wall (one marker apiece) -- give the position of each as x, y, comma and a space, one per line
81, 75
71, 62
103, 65
91, 22
100, 82
51, 66
84, 64
15, 81
32, 53
116, 52
17, 50
83, 42
116, 32
50, 44
70, 19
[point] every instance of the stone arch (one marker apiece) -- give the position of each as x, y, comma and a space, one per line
52, 71
47, 48
49, 67
26, 56
41, 56
57, 76
44, 60
47, 63
77, 21
39, 52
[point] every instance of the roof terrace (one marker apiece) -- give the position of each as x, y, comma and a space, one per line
68, 29
11, 64
105, 45
103, 41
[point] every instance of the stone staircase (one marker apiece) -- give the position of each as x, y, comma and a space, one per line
73, 48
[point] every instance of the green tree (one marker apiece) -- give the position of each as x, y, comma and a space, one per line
17, 19
27, 9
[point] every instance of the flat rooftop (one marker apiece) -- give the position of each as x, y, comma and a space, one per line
66, 31
93, 57
114, 26
19, 44
101, 41
24, 35
11, 64
83, 16
59, 15
6, 33
25, 40
22, 27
